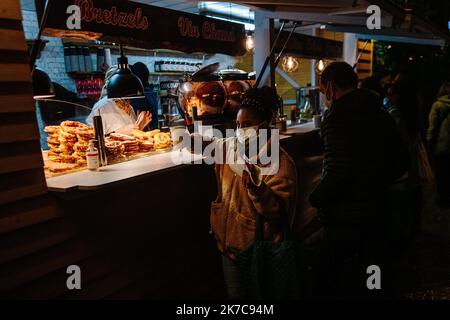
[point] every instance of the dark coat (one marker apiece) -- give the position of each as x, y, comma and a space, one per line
363, 154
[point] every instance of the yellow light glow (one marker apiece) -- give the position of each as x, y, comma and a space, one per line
321, 65
290, 64
250, 43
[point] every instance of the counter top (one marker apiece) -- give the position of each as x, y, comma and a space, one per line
91, 180
115, 173
300, 128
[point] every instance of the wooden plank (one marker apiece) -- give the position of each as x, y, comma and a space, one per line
53, 285
19, 132
10, 9
16, 103
134, 291
16, 88
20, 243
15, 72
108, 285
364, 65
27, 212
32, 267
366, 56
21, 185
22, 193
12, 40
21, 162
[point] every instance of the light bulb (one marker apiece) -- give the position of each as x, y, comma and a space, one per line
290, 63
250, 43
321, 65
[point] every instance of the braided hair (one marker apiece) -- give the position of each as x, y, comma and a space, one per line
261, 102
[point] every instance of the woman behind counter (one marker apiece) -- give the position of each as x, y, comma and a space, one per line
117, 115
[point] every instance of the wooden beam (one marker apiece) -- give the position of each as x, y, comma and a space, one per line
324, 18
10, 9
14, 72
16, 132
27, 213
12, 40
26, 184
16, 103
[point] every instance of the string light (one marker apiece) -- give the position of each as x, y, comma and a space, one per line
321, 65
289, 64
250, 42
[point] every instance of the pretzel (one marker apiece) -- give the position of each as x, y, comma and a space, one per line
121, 137
52, 129
139, 134
71, 126
152, 133
78, 147
52, 141
162, 140
81, 163
85, 133
60, 167
68, 158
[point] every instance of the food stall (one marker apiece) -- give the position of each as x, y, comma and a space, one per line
139, 226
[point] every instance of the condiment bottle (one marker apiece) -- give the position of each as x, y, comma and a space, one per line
92, 158
293, 114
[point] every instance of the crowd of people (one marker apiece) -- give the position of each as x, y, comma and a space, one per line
379, 168
376, 164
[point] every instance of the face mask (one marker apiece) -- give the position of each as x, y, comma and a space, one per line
245, 134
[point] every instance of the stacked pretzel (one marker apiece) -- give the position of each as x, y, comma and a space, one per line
154, 139
114, 150
130, 144
53, 142
68, 143
84, 134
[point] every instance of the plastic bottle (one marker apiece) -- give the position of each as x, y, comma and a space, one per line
92, 158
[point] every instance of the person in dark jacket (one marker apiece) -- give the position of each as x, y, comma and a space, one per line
363, 155
438, 138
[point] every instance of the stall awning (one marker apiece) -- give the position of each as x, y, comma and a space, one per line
397, 24
310, 47
143, 26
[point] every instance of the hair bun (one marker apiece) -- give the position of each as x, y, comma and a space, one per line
263, 101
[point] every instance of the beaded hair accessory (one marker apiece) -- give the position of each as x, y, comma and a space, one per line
256, 105
253, 103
